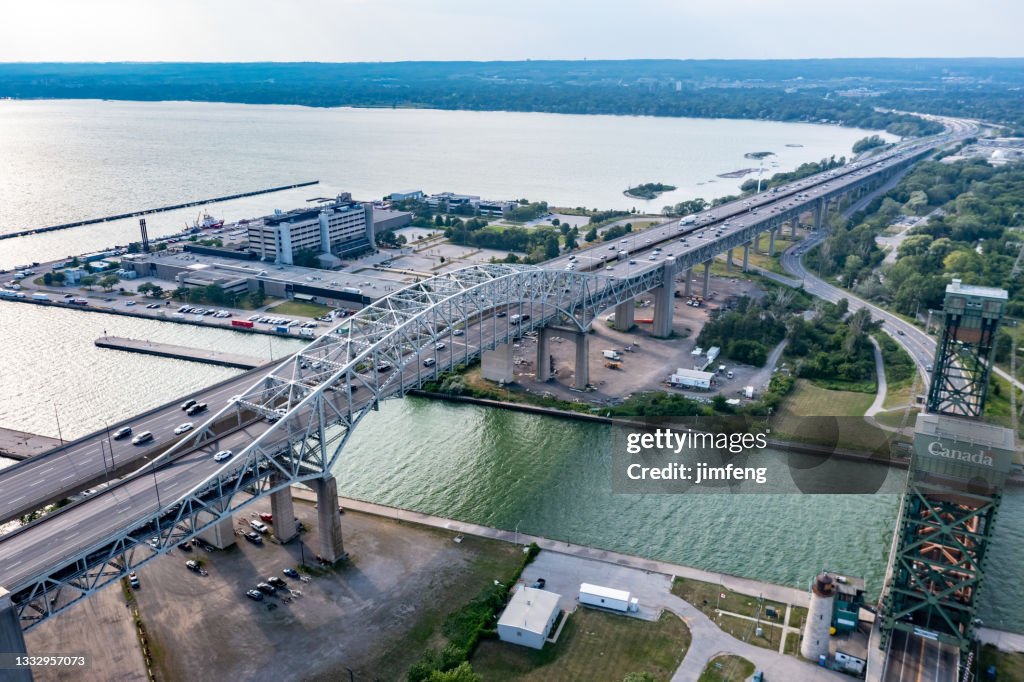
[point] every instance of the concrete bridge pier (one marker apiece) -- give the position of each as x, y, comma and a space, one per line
496, 365
793, 224
664, 299
689, 281
12, 639
582, 342
757, 243
221, 534
728, 260
328, 518
819, 213
746, 260
707, 278
282, 509
625, 313
771, 241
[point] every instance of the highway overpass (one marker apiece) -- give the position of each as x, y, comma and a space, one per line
291, 424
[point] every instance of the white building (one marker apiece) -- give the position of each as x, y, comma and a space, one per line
528, 618
341, 228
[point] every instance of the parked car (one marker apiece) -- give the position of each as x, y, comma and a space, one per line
193, 566
185, 546
258, 526
254, 537
133, 580
266, 517
266, 588
277, 582
290, 572
255, 595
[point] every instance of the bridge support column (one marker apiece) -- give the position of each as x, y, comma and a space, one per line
12, 639
221, 534
625, 313
496, 365
283, 511
544, 353
771, 241
728, 260
689, 282
793, 224
746, 257
328, 519
819, 213
757, 243
663, 300
707, 279
582, 360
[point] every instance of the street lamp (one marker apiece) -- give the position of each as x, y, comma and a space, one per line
517, 532
57, 417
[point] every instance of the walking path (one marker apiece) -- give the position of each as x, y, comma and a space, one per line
876, 406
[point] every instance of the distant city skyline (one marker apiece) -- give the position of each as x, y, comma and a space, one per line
481, 30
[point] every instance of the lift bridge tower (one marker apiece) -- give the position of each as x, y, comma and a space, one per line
957, 474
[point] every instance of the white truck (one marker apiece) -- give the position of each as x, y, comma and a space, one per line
687, 220
611, 354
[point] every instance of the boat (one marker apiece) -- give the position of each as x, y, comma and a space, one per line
205, 221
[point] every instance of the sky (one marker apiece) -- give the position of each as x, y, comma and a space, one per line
444, 30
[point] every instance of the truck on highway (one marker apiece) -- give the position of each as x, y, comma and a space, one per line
687, 220
40, 297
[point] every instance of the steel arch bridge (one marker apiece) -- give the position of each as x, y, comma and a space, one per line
310, 404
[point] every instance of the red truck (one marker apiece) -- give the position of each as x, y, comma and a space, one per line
242, 323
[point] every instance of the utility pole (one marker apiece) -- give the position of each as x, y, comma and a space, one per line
57, 417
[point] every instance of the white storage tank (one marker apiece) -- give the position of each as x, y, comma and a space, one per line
604, 597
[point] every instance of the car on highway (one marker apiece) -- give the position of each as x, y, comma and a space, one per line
122, 433
439, 346
222, 455
133, 580
90, 491
188, 403
458, 332
187, 426
258, 526
290, 572
196, 409
144, 437
383, 367
254, 537
255, 595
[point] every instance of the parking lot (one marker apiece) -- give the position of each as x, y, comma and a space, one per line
372, 616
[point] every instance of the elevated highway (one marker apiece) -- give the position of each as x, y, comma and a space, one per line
292, 424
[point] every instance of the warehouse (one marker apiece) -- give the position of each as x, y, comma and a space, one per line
528, 618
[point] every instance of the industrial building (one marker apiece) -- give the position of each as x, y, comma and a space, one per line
339, 228
529, 617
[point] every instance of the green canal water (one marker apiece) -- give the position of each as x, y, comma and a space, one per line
552, 477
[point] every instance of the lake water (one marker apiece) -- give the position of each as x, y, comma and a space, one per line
70, 160
64, 161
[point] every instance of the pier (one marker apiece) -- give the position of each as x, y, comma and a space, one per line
167, 350
161, 209
22, 445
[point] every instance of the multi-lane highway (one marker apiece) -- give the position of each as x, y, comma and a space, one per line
59, 537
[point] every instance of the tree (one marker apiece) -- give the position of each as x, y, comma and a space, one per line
257, 298
591, 235
88, 281
463, 673
48, 278
215, 294
59, 278
108, 282
439, 220
556, 222
551, 249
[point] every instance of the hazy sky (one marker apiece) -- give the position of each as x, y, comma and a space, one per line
393, 30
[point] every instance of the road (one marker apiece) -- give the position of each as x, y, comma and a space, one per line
915, 659
60, 537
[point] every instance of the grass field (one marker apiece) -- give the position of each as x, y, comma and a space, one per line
1008, 666
746, 631
808, 400
301, 308
797, 614
593, 646
792, 644
726, 668
706, 597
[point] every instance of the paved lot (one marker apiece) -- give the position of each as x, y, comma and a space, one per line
372, 616
101, 629
563, 574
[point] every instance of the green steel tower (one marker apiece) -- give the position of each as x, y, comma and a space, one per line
957, 474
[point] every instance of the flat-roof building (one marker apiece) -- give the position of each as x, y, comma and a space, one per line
529, 616
342, 228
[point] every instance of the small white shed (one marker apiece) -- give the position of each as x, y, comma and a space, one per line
605, 597
528, 618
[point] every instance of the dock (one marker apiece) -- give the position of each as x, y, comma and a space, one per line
167, 350
159, 209
22, 445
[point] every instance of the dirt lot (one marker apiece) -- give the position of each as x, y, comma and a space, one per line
101, 629
374, 616
650, 361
